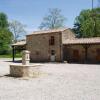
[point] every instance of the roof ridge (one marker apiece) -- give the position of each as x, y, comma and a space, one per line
48, 31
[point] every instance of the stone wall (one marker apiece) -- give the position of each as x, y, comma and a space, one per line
69, 52
92, 55
67, 34
40, 50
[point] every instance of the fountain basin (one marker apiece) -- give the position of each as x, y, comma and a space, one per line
19, 70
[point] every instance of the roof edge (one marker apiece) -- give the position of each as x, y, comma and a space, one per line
47, 31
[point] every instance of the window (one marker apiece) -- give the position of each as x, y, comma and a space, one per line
52, 40
52, 52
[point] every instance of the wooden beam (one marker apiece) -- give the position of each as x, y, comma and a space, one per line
86, 46
13, 53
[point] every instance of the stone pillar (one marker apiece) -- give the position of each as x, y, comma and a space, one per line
25, 57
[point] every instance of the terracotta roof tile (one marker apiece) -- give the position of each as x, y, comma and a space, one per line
48, 31
20, 43
83, 41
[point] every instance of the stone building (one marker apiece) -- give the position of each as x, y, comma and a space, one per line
83, 50
61, 45
48, 45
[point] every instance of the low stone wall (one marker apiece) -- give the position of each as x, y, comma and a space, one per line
24, 70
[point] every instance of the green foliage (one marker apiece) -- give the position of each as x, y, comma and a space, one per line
54, 19
5, 41
3, 21
87, 24
5, 35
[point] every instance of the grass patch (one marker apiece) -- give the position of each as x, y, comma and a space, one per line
18, 55
6, 56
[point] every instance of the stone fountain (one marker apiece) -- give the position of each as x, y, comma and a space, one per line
25, 69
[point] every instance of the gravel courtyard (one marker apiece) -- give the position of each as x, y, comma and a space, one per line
59, 82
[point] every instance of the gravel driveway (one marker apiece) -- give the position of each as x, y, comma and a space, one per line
61, 82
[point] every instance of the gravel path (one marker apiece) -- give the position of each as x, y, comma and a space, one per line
62, 82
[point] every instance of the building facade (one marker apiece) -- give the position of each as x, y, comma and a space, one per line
82, 50
61, 45
47, 45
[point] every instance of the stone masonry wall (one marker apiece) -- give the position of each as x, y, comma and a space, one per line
70, 52
91, 54
67, 34
40, 50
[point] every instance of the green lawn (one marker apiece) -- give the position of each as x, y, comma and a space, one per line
5, 56
10, 56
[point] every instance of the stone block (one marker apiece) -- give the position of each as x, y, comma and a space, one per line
17, 70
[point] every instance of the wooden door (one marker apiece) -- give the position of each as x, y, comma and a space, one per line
76, 55
52, 57
98, 55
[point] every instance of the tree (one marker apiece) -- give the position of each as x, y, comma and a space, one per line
87, 24
5, 41
3, 21
5, 34
54, 19
17, 29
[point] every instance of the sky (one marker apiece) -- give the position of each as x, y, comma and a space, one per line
31, 12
